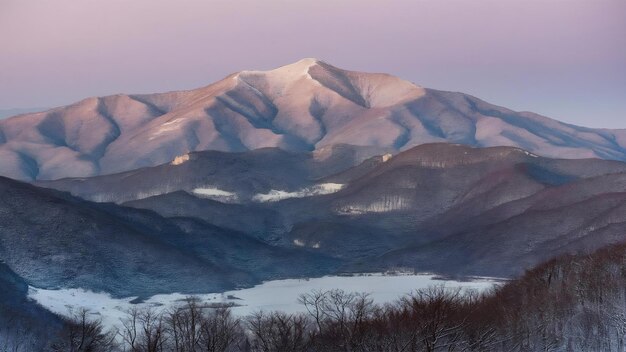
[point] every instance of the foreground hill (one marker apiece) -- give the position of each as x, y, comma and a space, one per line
306, 106
51, 239
24, 325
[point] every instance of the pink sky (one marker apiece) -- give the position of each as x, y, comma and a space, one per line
565, 59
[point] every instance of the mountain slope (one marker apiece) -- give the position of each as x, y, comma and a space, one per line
54, 240
439, 207
24, 325
445, 208
306, 106
226, 177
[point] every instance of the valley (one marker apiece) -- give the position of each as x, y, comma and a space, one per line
277, 295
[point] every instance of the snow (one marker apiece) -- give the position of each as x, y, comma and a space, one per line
66, 302
277, 195
301, 243
167, 127
279, 295
180, 159
243, 81
282, 77
387, 203
216, 194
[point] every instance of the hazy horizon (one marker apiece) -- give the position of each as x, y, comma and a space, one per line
565, 59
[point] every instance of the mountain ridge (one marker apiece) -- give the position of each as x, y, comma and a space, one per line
305, 106
399, 211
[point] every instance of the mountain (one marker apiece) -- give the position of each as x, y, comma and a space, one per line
436, 207
462, 211
306, 106
222, 176
51, 240
224, 188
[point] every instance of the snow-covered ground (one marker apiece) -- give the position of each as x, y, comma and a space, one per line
272, 196
216, 194
271, 295
276, 195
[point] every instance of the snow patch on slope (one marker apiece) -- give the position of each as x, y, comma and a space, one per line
167, 127
216, 194
384, 205
277, 195
300, 243
180, 159
108, 197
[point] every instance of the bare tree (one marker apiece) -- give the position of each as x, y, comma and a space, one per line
220, 331
341, 318
278, 331
143, 331
192, 327
185, 326
14, 337
82, 334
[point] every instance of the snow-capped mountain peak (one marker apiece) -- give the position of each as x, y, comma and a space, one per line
308, 105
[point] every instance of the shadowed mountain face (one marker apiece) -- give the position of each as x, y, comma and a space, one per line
305, 106
51, 239
436, 207
453, 209
226, 177
24, 325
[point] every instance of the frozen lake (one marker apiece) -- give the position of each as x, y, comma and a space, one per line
271, 295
